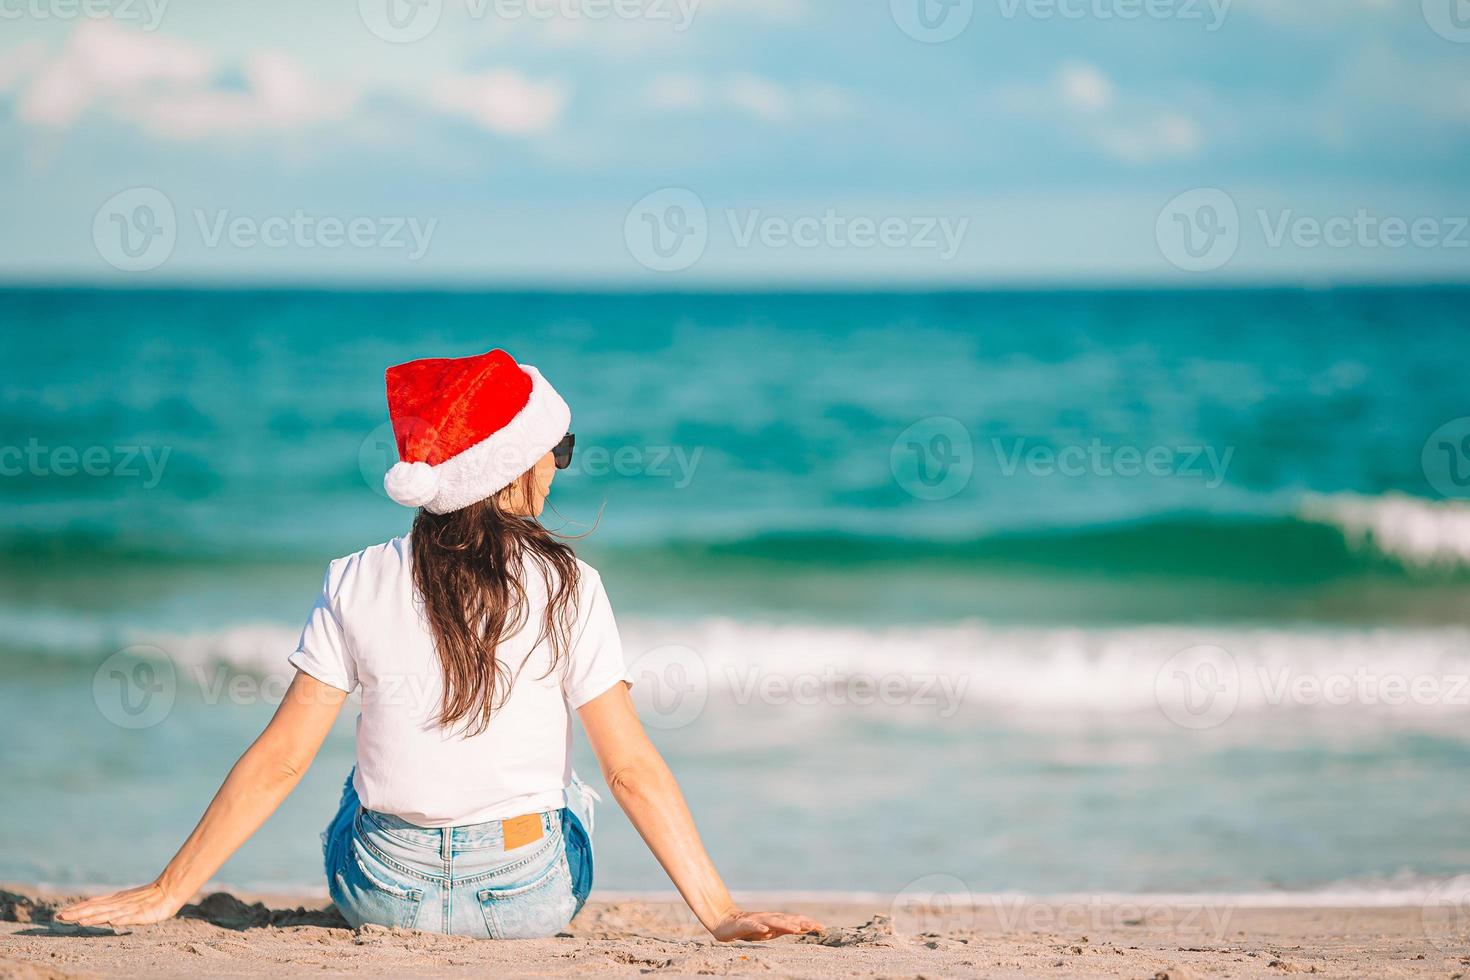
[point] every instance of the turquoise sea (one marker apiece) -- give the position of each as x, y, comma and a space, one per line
1051, 592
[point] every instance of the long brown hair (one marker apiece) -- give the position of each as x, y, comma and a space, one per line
469, 568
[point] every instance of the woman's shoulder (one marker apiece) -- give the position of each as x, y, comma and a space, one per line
538, 571
375, 561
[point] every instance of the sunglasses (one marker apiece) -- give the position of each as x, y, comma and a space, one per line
562, 451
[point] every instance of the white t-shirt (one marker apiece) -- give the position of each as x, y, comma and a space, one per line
367, 631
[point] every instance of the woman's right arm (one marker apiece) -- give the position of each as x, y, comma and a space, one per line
646, 790
264, 776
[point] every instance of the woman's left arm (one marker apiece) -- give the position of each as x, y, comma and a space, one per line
265, 775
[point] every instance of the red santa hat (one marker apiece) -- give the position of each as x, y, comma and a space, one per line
468, 426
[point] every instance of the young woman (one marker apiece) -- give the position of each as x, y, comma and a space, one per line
471, 640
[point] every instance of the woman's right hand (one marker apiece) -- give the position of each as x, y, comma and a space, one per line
134, 907
758, 926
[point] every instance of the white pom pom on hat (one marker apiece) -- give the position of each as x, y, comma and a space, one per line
412, 484
468, 426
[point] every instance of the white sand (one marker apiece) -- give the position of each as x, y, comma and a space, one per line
225, 936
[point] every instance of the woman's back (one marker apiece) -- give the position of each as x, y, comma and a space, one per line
367, 631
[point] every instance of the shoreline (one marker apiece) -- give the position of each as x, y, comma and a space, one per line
229, 934
1329, 897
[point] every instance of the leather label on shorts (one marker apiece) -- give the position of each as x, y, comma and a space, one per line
520, 831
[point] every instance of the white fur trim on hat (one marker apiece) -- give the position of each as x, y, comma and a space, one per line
411, 484
489, 466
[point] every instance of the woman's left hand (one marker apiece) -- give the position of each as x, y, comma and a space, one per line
760, 926
133, 907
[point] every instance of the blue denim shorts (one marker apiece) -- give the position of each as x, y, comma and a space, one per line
458, 880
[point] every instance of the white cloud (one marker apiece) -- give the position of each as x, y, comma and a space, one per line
1164, 136
674, 93
1122, 126
753, 95
1081, 86
177, 91
277, 95
104, 64
18, 63
759, 97
165, 87
502, 101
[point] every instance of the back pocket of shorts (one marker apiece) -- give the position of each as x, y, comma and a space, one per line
364, 892
533, 908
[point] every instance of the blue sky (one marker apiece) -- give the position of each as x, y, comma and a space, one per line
678, 143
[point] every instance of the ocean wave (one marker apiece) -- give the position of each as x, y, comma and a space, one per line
1419, 533
1324, 537
1196, 677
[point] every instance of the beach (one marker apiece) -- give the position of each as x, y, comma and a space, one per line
230, 935
1096, 595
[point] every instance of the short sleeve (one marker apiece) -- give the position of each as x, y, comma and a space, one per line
323, 651
596, 661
